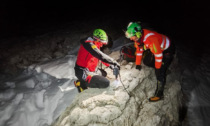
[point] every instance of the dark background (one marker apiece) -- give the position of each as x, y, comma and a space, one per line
184, 20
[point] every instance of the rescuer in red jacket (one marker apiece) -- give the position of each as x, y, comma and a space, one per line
157, 51
88, 57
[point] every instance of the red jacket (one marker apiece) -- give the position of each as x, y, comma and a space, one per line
154, 41
89, 55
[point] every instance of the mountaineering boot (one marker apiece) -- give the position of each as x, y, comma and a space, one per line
77, 84
158, 93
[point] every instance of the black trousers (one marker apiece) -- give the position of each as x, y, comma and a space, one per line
97, 81
149, 60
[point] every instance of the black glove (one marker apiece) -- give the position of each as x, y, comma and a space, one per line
117, 65
138, 67
111, 67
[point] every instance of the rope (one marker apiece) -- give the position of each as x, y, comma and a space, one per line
129, 93
124, 85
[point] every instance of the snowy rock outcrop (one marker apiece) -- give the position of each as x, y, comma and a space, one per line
114, 106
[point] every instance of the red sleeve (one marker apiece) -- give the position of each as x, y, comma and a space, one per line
139, 52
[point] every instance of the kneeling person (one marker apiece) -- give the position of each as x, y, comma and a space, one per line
88, 58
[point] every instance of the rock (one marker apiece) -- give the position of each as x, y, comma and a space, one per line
125, 107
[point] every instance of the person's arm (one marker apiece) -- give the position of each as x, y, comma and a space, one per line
93, 50
139, 52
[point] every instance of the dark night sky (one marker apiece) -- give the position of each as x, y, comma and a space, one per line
177, 16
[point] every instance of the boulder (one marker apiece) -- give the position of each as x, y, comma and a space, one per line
127, 103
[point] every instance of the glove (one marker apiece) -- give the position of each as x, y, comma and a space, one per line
116, 64
111, 67
138, 67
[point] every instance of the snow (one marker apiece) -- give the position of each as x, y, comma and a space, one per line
38, 95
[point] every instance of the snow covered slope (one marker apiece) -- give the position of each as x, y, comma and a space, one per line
39, 95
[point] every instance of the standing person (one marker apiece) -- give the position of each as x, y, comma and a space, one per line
157, 51
87, 61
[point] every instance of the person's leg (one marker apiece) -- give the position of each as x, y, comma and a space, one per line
101, 72
148, 58
80, 83
161, 76
98, 81
95, 81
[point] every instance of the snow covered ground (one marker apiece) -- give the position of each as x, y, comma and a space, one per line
38, 95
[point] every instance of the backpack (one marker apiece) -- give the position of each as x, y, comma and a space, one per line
128, 53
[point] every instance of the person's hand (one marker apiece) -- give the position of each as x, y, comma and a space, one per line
116, 64
138, 67
118, 67
111, 67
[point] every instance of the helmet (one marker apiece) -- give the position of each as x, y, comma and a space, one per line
134, 29
101, 35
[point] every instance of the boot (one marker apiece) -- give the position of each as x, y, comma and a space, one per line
158, 93
77, 84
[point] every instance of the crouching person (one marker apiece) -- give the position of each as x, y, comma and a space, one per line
156, 50
88, 58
